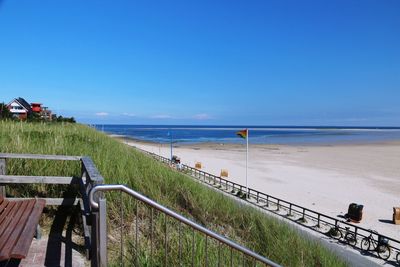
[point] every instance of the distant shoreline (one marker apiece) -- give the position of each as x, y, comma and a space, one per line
197, 135
227, 146
254, 127
221, 144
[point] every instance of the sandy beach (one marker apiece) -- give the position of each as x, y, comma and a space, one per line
323, 178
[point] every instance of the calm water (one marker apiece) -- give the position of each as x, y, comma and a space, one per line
257, 135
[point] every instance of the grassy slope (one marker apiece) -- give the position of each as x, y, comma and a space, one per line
121, 164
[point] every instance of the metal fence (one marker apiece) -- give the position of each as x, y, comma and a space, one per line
154, 235
151, 235
302, 216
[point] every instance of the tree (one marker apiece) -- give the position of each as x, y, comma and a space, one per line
55, 118
34, 117
5, 112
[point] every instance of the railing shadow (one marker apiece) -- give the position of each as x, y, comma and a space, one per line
65, 218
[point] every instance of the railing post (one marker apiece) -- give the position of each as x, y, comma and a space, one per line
94, 248
102, 232
99, 235
3, 171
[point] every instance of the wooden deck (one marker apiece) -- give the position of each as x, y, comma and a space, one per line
61, 245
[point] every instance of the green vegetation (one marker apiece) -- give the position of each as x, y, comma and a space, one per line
121, 164
4, 112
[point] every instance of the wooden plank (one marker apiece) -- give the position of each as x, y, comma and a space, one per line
38, 156
92, 171
5, 215
11, 222
3, 172
16, 237
18, 179
52, 201
21, 249
85, 198
86, 231
3, 209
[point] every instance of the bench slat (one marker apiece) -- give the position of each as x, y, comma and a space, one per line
15, 237
5, 217
21, 249
2, 206
11, 221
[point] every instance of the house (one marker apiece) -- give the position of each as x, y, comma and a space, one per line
19, 108
36, 107
46, 114
43, 112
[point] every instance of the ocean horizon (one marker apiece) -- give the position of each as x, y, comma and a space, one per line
192, 134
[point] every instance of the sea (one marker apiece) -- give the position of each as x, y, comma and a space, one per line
298, 135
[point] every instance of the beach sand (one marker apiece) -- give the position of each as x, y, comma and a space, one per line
322, 178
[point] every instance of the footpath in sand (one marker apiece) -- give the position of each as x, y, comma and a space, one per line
323, 178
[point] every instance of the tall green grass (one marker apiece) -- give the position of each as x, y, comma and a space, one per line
121, 164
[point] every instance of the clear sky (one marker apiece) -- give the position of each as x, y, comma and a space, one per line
252, 62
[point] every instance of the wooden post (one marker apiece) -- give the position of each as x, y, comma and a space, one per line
3, 171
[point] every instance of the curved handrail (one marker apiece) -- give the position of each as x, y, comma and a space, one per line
178, 217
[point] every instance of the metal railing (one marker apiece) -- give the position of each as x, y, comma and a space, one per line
180, 242
174, 245
301, 215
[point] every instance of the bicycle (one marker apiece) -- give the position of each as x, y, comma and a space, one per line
349, 237
381, 246
398, 258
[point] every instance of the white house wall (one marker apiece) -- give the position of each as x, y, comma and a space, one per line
17, 108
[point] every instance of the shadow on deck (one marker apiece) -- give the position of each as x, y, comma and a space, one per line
61, 246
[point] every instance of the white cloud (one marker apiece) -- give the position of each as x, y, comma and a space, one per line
201, 116
102, 114
161, 116
129, 114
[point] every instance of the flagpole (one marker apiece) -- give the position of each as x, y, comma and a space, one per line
247, 159
171, 146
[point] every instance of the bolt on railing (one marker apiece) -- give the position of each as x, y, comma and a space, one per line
158, 236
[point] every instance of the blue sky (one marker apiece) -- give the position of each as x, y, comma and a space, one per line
261, 62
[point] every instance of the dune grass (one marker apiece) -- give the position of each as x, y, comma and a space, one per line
121, 164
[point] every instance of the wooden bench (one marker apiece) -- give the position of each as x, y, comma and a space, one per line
18, 223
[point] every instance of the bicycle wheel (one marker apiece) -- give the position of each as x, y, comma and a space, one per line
398, 258
365, 244
383, 251
335, 233
350, 239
